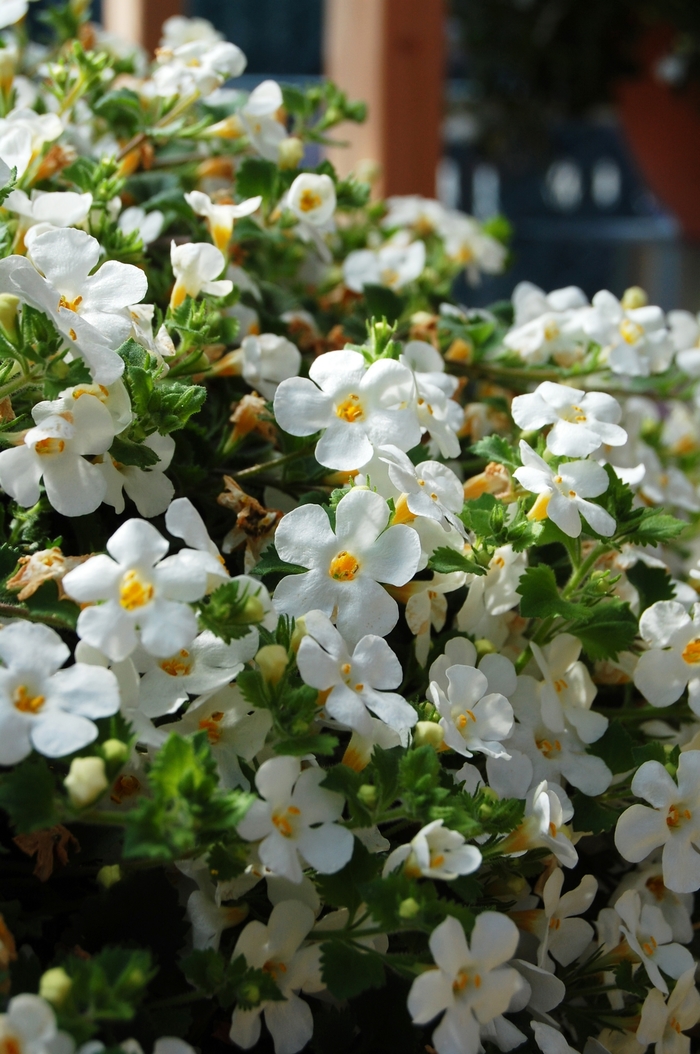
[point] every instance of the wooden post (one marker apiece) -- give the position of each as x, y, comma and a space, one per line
139, 20
390, 53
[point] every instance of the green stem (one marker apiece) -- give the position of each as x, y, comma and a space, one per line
263, 466
176, 1000
102, 816
22, 381
17, 611
581, 572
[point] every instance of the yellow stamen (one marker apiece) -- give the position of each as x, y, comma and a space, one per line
691, 652
71, 305
350, 409
310, 200
50, 446
26, 703
344, 567
133, 592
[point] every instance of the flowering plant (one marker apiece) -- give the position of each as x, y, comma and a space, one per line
365, 709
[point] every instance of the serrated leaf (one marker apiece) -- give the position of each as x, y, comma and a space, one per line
256, 176
590, 817
652, 751
347, 970
444, 560
205, 969
227, 611
541, 597
615, 748
298, 746
271, 563
652, 584
383, 302
608, 628
126, 452
343, 888
496, 448
27, 796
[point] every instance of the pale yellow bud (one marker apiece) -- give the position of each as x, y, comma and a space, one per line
114, 750
484, 647
291, 151
9, 305
55, 985
409, 908
427, 733
299, 633
86, 781
633, 297
272, 660
109, 875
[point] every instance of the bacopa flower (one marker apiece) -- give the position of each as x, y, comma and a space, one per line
673, 821
650, 938
663, 1021
150, 489
635, 340
312, 198
428, 489
29, 1025
42, 706
435, 852
266, 360
471, 720
220, 217
147, 224
137, 596
347, 564
46, 210
563, 492
562, 934
672, 661
295, 817
567, 691
470, 983
54, 451
357, 684
359, 409
277, 949
197, 266
581, 420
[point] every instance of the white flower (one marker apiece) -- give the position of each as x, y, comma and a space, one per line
426, 607
562, 935
294, 817
635, 341
135, 595
183, 521
23, 133
276, 948
53, 451
427, 489
29, 1026
312, 198
219, 217
582, 420
197, 67
664, 1021
67, 259
472, 720
178, 30
684, 329
266, 360
470, 983
358, 408
424, 215
148, 224
57, 209
672, 661
357, 684
663, 484
42, 706
393, 265
550, 1041
677, 908
235, 729
673, 821
347, 564
567, 692
86, 781
150, 489
11, 11
467, 243
563, 492
547, 810
197, 266
439, 414
649, 936
435, 852
554, 335
492, 595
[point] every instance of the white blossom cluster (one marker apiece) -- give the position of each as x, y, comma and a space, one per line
423, 527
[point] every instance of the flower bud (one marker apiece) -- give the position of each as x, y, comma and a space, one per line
409, 908
250, 993
55, 985
485, 647
253, 610
86, 781
367, 795
272, 660
291, 151
8, 314
634, 297
427, 733
114, 751
298, 634
109, 875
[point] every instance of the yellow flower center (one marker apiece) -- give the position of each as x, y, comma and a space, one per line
350, 409
274, 968
389, 276
134, 592
71, 305
554, 923
178, 665
656, 886
344, 567
211, 725
676, 816
691, 652
50, 446
10, 1045
560, 685
25, 702
546, 747
464, 719
285, 822
630, 331
649, 947
310, 200
464, 980
437, 859
551, 331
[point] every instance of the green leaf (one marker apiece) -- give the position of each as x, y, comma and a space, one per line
271, 563
229, 612
343, 889
652, 751
298, 746
383, 302
654, 528
541, 597
227, 861
445, 559
347, 970
652, 584
477, 516
257, 176
615, 747
253, 688
608, 628
126, 452
205, 969
27, 796
590, 816
107, 987
496, 448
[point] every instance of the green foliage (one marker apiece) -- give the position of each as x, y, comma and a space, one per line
106, 988
230, 611
187, 812
496, 448
541, 597
257, 177
652, 584
160, 405
348, 970
27, 795
445, 559
230, 982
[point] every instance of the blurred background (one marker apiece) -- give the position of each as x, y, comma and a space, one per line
578, 120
